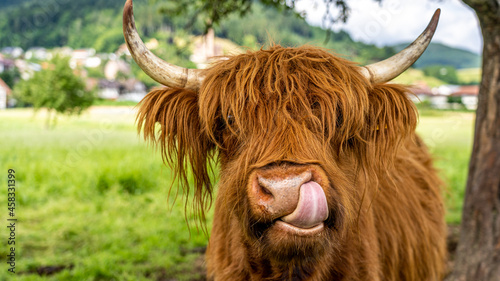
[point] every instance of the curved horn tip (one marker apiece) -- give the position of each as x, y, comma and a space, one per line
434, 20
437, 13
161, 71
128, 13
390, 68
129, 7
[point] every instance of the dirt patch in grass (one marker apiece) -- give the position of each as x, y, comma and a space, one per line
195, 271
192, 272
48, 270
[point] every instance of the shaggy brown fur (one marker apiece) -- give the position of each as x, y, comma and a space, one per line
284, 108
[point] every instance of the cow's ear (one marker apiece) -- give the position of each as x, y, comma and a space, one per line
169, 118
392, 119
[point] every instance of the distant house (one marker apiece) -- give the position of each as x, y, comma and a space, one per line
468, 96
114, 67
109, 90
209, 47
84, 57
422, 93
447, 90
6, 64
5, 92
63, 51
38, 53
13, 52
131, 90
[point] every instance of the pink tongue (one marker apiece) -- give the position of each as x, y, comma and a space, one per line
312, 208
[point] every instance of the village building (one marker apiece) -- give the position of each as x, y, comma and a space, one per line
114, 68
6, 64
12, 52
38, 53
423, 93
129, 90
84, 57
208, 47
5, 93
468, 96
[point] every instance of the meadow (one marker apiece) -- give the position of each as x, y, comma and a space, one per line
469, 75
92, 196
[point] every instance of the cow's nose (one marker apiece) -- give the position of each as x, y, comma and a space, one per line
279, 196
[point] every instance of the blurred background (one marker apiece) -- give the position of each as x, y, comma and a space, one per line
92, 196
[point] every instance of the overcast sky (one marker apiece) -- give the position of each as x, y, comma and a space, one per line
397, 21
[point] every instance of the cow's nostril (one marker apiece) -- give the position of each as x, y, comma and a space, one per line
278, 195
266, 191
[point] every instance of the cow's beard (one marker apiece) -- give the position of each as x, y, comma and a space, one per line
269, 242
284, 248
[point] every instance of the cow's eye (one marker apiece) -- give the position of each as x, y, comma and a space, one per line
230, 119
224, 123
316, 107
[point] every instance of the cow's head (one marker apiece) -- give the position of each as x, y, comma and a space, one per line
300, 134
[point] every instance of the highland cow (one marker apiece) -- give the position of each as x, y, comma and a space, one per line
322, 176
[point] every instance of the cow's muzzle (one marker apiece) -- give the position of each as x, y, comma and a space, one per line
292, 196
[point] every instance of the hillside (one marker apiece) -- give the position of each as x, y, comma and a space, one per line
6, 3
441, 54
98, 24
415, 76
55, 23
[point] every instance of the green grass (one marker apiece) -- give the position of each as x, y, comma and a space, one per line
469, 75
414, 76
92, 196
449, 138
101, 102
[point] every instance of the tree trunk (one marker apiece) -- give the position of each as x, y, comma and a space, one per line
478, 252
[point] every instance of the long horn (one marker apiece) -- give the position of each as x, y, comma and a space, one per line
390, 68
161, 71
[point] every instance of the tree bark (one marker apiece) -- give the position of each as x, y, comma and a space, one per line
478, 252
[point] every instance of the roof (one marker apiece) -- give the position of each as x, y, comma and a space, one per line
421, 90
472, 90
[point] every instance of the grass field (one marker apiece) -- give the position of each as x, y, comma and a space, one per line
469, 75
92, 197
449, 136
414, 76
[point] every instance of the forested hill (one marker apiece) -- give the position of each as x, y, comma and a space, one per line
53, 23
439, 54
98, 24
7, 3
